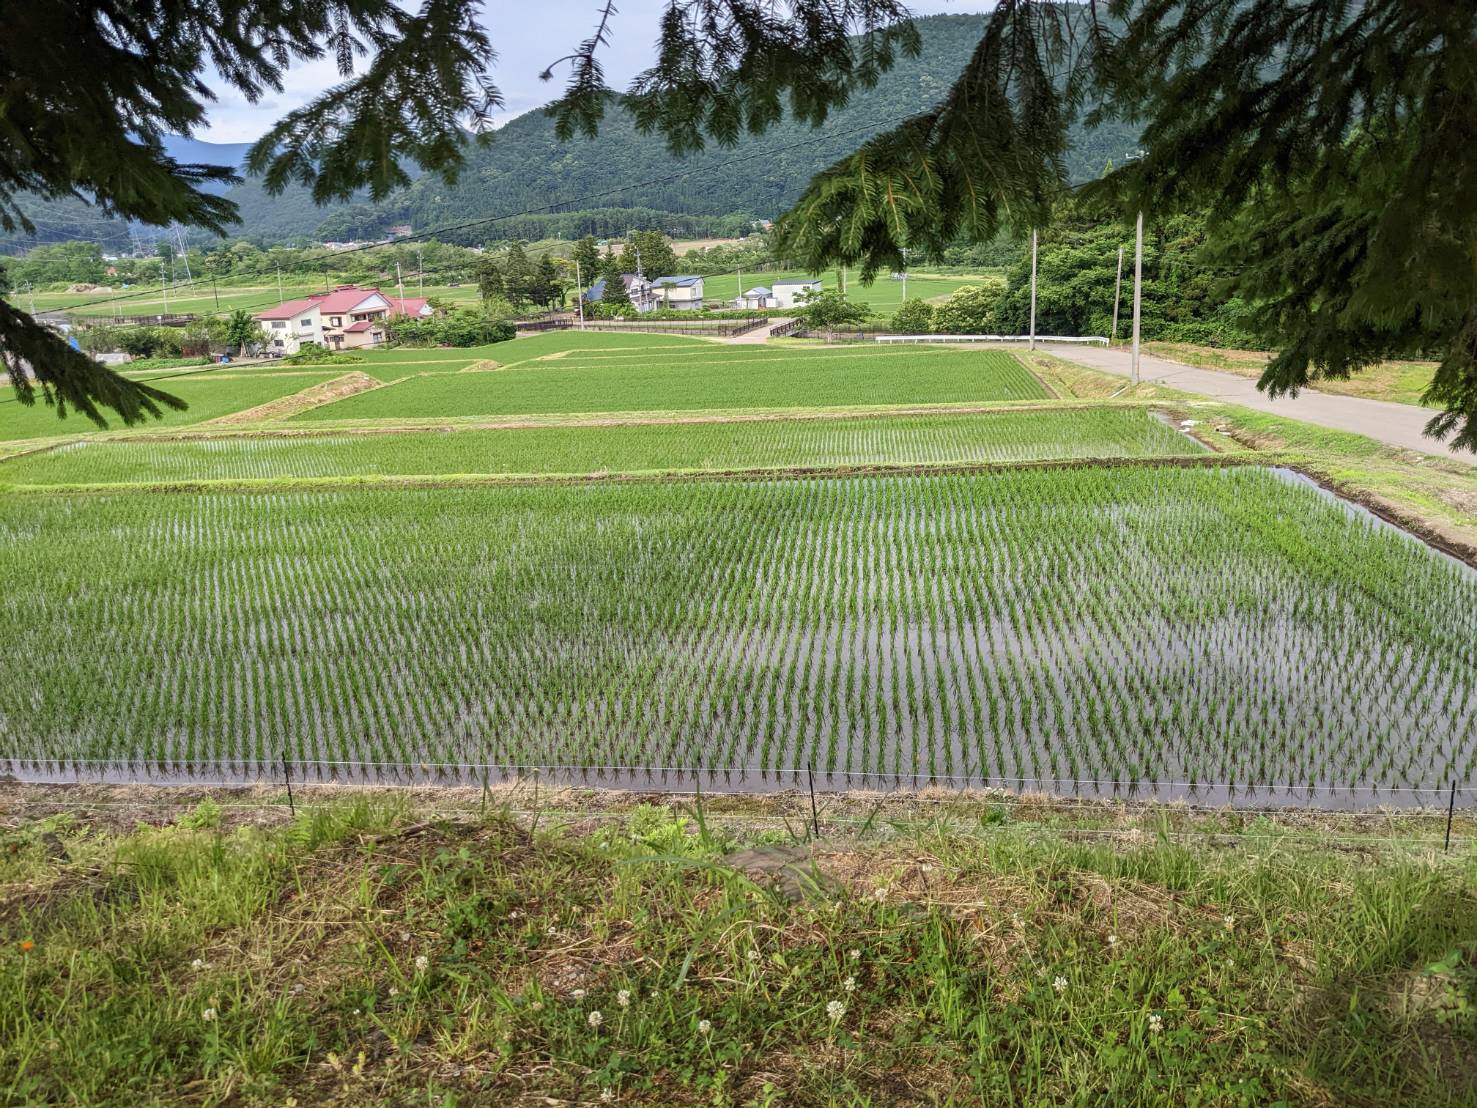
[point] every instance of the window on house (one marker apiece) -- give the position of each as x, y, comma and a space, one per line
279, 324
306, 322
336, 321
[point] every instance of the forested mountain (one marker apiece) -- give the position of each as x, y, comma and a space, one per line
526, 168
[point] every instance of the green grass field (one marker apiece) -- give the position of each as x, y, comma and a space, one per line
884, 295
1098, 624
898, 440
211, 393
250, 294
692, 378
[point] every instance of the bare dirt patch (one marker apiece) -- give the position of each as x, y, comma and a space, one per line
486, 365
316, 396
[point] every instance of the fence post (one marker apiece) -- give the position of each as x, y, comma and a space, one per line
815, 819
287, 775
1450, 811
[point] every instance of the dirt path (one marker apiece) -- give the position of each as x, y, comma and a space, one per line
1400, 425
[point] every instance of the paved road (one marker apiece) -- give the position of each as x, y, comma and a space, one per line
1396, 424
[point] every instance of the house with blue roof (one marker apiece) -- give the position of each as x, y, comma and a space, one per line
677, 293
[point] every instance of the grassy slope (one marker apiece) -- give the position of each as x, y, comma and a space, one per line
1399, 382
883, 296
219, 393
719, 377
897, 440
975, 952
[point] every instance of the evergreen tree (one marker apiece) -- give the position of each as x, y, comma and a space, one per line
615, 296
490, 279
657, 257
520, 278
548, 290
587, 254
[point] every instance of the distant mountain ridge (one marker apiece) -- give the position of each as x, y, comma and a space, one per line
526, 167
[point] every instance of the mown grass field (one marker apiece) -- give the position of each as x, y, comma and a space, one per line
249, 294
637, 448
884, 295
1060, 626
586, 950
689, 378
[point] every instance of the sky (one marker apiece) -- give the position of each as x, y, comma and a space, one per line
528, 35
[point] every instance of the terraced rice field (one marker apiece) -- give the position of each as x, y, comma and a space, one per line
689, 378
751, 444
210, 395
1125, 624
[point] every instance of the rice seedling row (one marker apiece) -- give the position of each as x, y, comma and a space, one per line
1127, 625
905, 440
716, 377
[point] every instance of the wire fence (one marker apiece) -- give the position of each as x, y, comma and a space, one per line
1188, 795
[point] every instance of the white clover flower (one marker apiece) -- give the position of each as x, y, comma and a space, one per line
607, 1096
551, 931
1156, 1023
405, 936
835, 1010
849, 984
595, 1019
623, 998
208, 1015
704, 1027
515, 914
1059, 983
422, 963
879, 893
752, 956
1112, 940
578, 994
854, 954
537, 1006
198, 963
394, 990
1229, 922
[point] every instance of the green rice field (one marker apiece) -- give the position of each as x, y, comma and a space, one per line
900, 440
209, 394
884, 295
1126, 625
704, 377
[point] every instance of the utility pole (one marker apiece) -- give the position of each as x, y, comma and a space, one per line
1117, 292
905, 275
1138, 291
739, 300
1033, 288
164, 288
579, 293
280, 297
843, 282
183, 253
420, 271
399, 281
216, 291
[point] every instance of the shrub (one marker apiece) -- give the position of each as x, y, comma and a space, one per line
970, 311
914, 317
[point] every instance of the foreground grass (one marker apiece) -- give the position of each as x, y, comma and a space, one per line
366, 953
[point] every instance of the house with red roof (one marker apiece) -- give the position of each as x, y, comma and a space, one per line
343, 319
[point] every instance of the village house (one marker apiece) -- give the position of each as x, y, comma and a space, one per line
638, 288
343, 319
679, 293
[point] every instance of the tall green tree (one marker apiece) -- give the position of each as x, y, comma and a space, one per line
242, 329
548, 291
655, 252
587, 254
490, 279
615, 297
520, 276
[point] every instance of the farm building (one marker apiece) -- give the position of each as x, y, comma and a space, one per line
787, 293
782, 294
343, 319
